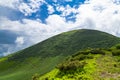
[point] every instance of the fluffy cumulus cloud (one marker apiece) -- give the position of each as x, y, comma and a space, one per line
8, 3
19, 40
93, 14
50, 9
103, 15
34, 28
31, 7
66, 10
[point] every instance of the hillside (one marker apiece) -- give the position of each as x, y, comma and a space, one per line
90, 64
44, 56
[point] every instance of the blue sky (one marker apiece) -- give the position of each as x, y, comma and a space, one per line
42, 13
27, 22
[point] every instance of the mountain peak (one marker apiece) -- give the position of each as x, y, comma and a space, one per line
44, 56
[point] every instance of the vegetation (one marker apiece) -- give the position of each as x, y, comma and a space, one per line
96, 64
70, 65
44, 56
35, 77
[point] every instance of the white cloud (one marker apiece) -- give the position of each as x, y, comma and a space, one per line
104, 20
67, 10
19, 40
26, 8
8, 3
50, 9
31, 7
34, 30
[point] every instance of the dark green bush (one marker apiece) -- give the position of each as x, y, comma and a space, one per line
88, 51
35, 76
118, 46
97, 51
109, 49
70, 65
82, 57
89, 57
46, 78
79, 57
81, 52
116, 52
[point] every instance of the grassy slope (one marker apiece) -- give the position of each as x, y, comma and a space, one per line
44, 56
98, 67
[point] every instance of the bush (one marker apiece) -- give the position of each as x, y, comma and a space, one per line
88, 51
35, 77
46, 78
70, 65
81, 52
118, 46
81, 57
109, 49
97, 51
116, 52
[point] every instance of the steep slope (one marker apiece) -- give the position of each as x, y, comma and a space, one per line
90, 64
44, 56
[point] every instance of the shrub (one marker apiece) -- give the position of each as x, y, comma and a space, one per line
118, 46
46, 78
70, 65
81, 52
88, 51
79, 57
89, 57
109, 49
85, 52
97, 51
116, 52
35, 77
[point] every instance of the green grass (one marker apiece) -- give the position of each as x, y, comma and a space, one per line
29, 67
99, 67
44, 56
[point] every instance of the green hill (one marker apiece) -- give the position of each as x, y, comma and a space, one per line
44, 56
90, 64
